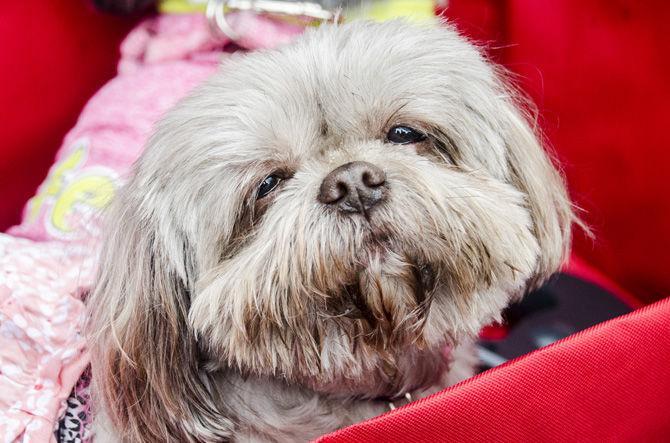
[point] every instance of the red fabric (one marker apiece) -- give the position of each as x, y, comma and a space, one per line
54, 55
598, 71
608, 383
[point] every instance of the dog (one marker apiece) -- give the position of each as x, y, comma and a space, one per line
318, 231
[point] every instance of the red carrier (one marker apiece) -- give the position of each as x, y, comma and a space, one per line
598, 72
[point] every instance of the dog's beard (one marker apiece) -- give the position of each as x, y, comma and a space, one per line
323, 298
388, 296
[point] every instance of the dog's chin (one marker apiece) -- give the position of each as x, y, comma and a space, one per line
383, 312
387, 283
389, 292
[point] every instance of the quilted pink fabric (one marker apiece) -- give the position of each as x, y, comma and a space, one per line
48, 261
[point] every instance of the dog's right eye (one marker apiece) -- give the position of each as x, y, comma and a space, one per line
268, 185
404, 135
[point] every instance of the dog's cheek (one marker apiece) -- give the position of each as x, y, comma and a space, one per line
511, 257
478, 233
258, 309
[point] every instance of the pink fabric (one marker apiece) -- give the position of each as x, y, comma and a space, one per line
48, 261
41, 347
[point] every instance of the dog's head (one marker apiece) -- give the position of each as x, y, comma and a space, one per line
316, 213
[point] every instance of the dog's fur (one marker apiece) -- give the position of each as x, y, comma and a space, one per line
220, 316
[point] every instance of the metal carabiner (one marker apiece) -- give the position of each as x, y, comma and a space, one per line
306, 12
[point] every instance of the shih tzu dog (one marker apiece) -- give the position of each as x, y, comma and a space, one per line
316, 231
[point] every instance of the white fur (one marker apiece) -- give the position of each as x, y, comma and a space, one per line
220, 317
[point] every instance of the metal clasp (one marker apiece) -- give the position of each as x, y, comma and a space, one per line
307, 13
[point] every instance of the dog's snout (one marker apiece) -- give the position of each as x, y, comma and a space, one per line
354, 187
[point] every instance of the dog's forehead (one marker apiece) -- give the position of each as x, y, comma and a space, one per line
339, 82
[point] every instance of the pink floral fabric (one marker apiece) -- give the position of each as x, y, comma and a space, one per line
48, 261
42, 350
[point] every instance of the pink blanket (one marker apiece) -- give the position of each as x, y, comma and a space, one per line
48, 261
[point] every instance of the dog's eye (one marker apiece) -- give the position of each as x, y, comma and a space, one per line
268, 185
403, 135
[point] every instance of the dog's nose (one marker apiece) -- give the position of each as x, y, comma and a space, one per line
354, 187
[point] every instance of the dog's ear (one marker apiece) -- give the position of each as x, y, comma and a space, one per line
533, 171
496, 121
144, 356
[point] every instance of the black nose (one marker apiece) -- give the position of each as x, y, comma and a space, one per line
354, 187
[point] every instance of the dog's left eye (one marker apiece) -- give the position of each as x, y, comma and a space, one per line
404, 135
268, 185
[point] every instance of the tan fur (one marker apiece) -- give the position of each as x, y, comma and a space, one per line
220, 317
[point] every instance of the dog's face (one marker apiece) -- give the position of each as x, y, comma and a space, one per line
321, 212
